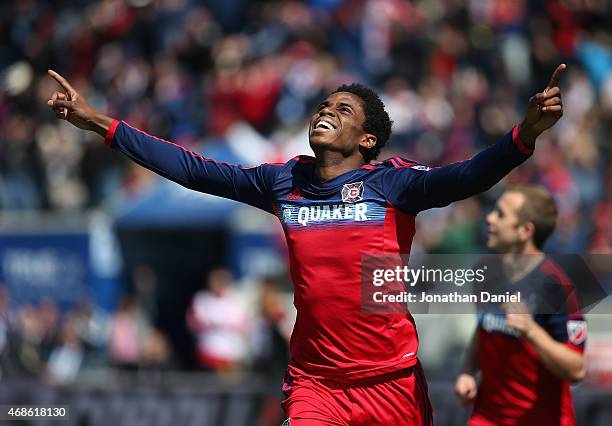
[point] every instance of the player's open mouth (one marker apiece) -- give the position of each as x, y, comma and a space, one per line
323, 125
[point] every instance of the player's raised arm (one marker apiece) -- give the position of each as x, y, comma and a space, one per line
418, 188
248, 185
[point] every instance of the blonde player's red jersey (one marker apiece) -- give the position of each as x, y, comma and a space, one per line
517, 389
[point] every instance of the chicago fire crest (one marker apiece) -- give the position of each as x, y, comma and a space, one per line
352, 192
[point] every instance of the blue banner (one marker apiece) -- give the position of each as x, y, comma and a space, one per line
61, 266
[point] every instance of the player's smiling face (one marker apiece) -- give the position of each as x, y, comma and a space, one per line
505, 232
338, 125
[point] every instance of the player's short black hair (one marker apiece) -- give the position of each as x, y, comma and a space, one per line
377, 121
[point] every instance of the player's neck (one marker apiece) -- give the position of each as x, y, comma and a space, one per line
519, 263
329, 165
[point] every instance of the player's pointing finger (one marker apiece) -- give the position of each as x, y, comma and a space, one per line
63, 82
554, 79
58, 103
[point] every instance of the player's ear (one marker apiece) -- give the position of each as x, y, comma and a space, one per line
368, 141
527, 231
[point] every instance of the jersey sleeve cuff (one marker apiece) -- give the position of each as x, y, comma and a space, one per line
520, 145
110, 134
577, 348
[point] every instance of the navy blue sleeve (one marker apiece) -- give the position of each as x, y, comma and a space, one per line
569, 329
558, 295
413, 187
250, 185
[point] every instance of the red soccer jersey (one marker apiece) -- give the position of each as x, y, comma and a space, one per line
517, 389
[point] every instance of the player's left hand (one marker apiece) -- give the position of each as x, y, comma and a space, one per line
466, 388
519, 318
544, 110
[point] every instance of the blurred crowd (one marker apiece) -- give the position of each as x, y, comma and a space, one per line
238, 79
55, 345
231, 332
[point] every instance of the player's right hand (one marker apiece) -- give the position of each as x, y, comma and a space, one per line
70, 106
466, 388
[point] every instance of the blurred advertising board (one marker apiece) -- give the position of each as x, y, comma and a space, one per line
74, 262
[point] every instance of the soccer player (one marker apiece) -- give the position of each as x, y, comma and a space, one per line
347, 367
527, 361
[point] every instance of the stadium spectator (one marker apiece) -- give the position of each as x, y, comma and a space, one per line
273, 328
271, 334
65, 359
144, 283
49, 316
531, 351
26, 343
157, 354
219, 322
20, 178
129, 329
